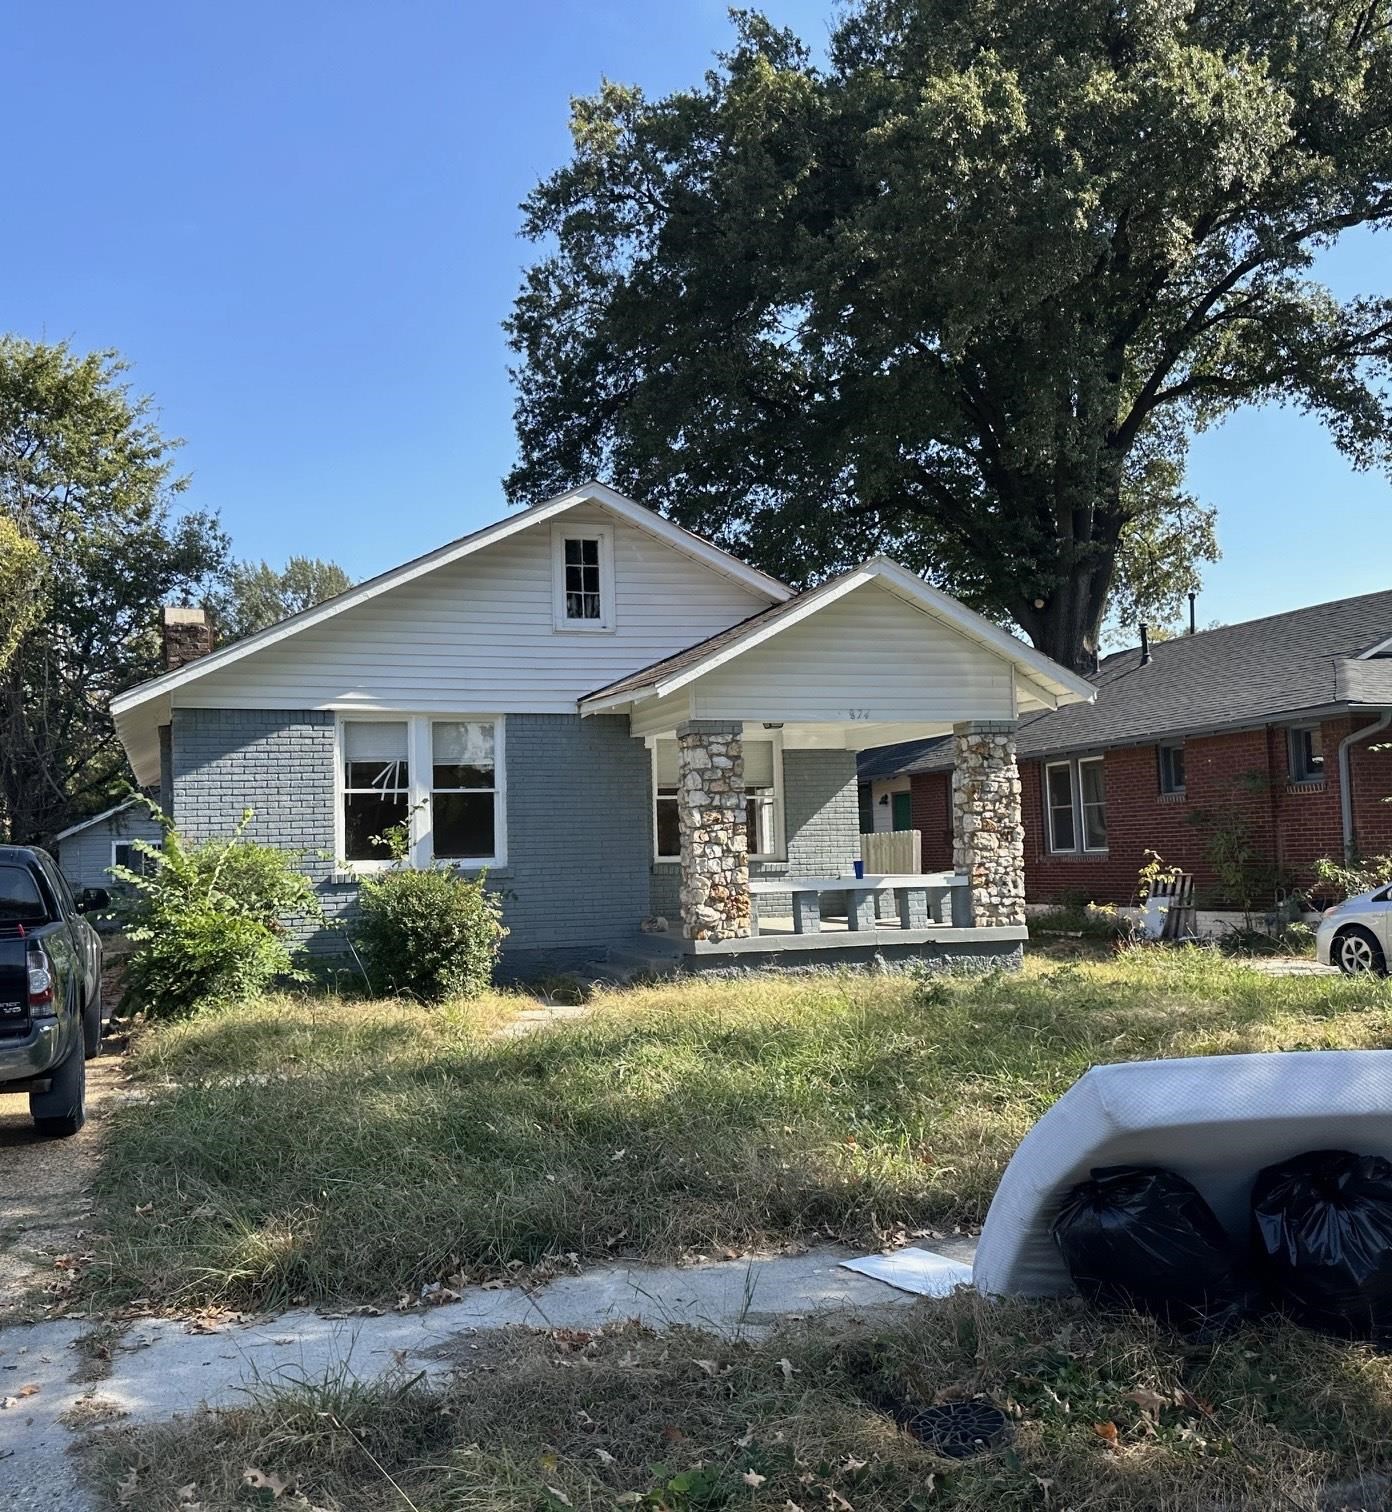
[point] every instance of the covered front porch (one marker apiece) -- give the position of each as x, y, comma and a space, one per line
869, 659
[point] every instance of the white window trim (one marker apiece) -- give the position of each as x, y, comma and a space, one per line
420, 758
1074, 766
1055, 848
780, 827
604, 534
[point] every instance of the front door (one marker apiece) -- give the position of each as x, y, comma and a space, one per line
899, 808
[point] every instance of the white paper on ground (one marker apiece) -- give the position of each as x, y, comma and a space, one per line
915, 1270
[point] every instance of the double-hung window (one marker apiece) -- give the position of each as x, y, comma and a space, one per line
1075, 797
463, 789
436, 781
583, 571
124, 854
1306, 753
376, 785
763, 788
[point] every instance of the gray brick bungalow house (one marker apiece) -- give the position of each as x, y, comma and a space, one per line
618, 721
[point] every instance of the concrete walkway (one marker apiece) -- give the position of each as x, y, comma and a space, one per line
159, 1369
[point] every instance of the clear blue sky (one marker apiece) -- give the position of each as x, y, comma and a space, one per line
299, 221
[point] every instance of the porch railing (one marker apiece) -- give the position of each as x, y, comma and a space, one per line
923, 899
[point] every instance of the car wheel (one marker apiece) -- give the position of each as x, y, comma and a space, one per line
92, 1026
1357, 952
62, 1110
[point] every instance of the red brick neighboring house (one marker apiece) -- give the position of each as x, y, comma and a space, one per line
1257, 727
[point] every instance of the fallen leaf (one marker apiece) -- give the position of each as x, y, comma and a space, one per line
852, 1464
747, 1440
126, 1488
628, 1498
558, 1495
144, 1209
187, 1493
8, 1402
27, 1391
753, 1478
671, 1434
258, 1480
786, 1366
604, 1457
1149, 1401
494, 1285
709, 1366
1107, 1432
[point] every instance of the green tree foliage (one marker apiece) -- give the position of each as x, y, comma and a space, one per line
21, 587
87, 478
256, 595
947, 294
208, 921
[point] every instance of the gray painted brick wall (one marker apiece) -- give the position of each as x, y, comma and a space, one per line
576, 879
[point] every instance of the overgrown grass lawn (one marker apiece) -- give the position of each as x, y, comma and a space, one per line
1111, 1415
335, 1151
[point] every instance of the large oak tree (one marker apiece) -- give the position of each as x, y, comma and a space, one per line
963, 292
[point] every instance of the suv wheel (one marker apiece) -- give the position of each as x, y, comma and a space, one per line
1357, 952
62, 1110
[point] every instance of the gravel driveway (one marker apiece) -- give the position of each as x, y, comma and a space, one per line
43, 1195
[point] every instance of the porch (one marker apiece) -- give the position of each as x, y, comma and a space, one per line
872, 658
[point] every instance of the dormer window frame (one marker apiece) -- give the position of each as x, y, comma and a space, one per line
562, 570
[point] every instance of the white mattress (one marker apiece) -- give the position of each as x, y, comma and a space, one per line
1217, 1120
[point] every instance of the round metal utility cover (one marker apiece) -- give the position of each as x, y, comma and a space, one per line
960, 1429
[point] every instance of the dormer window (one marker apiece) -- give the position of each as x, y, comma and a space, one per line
583, 565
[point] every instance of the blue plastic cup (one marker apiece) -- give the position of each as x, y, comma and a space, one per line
859, 869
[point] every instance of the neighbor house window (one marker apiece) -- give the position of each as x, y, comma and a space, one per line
376, 786
442, 778
1306, 753
584, 578
1075, 795
1172, 767
124, 853
763, 786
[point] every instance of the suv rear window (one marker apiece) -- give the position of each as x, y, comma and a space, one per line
20, 901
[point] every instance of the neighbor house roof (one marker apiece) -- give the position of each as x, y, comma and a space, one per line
1326, 658
1051, 683
588, 493
76, 829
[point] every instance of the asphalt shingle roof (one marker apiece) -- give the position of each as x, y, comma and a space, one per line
1254, 673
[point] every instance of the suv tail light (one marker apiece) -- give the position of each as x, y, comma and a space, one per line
40, 981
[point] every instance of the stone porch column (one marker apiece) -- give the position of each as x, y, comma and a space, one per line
988, 837
714, 840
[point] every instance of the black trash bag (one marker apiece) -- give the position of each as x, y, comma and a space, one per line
1142, 1237
1322, 1233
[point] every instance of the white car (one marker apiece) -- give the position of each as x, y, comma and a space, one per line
1356, 935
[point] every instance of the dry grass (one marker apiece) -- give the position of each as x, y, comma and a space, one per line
327, 1150
1266, 1419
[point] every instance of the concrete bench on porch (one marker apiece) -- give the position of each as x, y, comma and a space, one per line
922, 898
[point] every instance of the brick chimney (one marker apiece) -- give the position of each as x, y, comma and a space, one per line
186, 634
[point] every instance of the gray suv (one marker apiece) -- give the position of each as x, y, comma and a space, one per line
50, 988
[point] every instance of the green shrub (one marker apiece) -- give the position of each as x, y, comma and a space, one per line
208, 921
430, 934
1356, 877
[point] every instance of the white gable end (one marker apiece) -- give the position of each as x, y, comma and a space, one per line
479, 634
870, 657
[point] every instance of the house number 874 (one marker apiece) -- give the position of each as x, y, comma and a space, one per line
859, 713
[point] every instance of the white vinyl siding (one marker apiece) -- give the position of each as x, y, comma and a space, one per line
869, 657
481, 633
